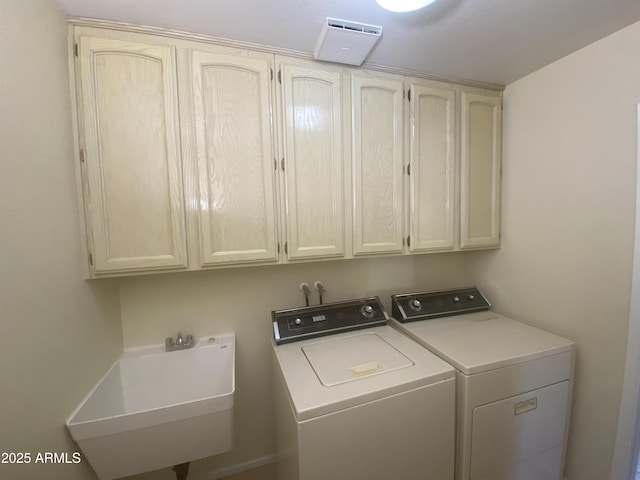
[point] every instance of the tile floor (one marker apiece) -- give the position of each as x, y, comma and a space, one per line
265, 472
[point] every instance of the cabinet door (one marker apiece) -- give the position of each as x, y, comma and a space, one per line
432, 169
312, 103
377, 139
132, 157
232, 108
480, 171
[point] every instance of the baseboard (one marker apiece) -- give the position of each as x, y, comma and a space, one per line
240, 467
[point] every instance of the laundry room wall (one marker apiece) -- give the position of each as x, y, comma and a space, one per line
58, 332
240, 300
569, 169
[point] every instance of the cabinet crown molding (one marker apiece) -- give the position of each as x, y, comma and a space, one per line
182, 35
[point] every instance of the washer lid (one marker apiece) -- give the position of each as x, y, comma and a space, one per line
335, 372
352, 358
483, 341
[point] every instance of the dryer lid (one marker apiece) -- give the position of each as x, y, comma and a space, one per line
483, 341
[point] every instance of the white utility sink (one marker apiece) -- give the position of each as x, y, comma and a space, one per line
155, 409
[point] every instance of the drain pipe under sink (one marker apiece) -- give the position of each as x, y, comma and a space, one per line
182, 471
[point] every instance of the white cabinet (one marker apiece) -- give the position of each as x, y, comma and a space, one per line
431, 168
312, 161
377, 146
235, 156
480, 170
132, 160
194, 146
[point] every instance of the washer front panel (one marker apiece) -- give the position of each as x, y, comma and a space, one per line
295, 324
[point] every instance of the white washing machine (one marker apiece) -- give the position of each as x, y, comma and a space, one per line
514, 383
357, 400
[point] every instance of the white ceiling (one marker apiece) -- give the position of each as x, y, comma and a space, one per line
494, 41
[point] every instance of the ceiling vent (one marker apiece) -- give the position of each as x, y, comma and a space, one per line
342, 41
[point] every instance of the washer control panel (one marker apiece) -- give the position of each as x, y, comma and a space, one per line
409, 307
295, 324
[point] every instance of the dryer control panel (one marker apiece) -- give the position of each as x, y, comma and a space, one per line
410, 307
295, 324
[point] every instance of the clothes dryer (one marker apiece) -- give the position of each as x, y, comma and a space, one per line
514, 383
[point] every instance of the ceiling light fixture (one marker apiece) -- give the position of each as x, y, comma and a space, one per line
404, 5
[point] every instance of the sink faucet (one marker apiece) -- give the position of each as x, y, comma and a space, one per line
179, 343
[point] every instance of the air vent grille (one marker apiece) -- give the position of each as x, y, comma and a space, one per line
344, 41
354, 27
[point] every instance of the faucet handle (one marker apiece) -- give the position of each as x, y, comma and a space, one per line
188, 340
169, 342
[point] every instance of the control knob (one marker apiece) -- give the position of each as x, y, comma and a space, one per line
367, 311
456, 299
298, 321
415, 305
471, 297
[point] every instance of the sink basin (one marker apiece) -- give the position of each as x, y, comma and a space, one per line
155, 409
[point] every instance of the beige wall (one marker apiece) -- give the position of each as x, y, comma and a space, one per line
241, 300
565, 265
58, 333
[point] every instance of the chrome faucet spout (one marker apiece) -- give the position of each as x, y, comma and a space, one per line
179, 343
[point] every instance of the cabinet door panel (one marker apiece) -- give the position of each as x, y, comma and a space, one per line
480, 165
432, 169
313, 155
235, 158
133, 161
377, 165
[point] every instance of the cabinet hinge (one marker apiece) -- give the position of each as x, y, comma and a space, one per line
280, 76
275, 164
409, 94
91, 259
282, 163
403, 242
278, 248
286, 248
271, 73
409, 169
75, 49
81, 155
409, 241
